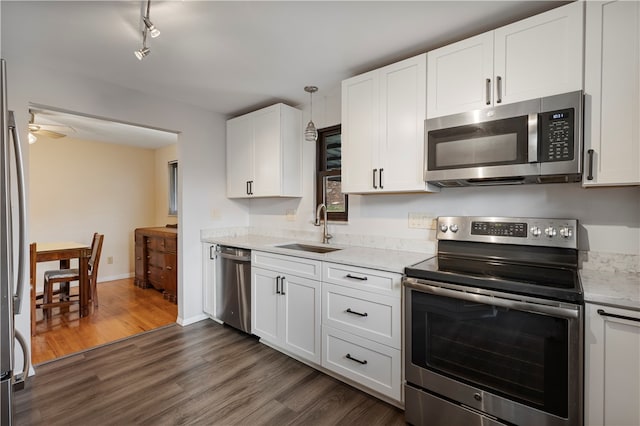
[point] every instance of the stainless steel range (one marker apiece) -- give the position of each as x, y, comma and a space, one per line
494, 325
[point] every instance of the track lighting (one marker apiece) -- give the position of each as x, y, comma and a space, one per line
153, 31
142, 52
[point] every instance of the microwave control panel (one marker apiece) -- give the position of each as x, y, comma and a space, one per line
556, 135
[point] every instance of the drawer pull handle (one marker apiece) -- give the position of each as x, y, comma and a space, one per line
356, 360
607, 314
354, 277
356, 313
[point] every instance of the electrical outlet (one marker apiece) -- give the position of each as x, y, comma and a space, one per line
110, 260
419, 220
215, 214
291, 215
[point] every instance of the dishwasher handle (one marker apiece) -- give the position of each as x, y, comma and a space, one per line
235, 257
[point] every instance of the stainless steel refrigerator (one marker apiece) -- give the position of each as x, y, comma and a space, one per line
12, 252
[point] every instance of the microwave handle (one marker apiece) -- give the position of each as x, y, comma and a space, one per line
533, 138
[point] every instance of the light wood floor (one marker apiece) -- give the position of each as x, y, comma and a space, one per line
202, 374
124, 310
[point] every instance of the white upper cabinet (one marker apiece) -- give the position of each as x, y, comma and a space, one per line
264, 153
383, 114
459, 76
359, 132
536, 57
612, 93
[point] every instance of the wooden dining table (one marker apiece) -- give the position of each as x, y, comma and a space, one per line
64, 252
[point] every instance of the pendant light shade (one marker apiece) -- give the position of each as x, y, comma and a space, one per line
311, 133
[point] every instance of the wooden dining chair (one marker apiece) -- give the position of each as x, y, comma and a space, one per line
62, 276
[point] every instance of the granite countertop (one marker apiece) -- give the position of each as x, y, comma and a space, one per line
366, 257
617, 289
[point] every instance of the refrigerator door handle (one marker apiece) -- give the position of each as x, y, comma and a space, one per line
17, 298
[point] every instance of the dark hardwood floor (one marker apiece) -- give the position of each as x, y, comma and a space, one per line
202, 374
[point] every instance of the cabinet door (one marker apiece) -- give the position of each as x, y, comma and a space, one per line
209, 279
239, 156
612, 89
267, 152
459, 76
301, 304
360, 133
264, 304
612, 368
539, 56
403, 99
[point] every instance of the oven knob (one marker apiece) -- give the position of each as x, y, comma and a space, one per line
536, 231
566, 232
454, 228
550, 232
443, 228
477, 397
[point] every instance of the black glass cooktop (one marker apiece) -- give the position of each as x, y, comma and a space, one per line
550, 273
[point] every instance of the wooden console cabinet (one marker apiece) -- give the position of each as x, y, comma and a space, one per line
157, 260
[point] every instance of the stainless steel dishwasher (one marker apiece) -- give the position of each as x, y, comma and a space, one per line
233, 287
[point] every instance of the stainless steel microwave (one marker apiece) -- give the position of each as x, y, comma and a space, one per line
535, 141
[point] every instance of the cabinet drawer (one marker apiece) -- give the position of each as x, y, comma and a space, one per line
287, 264
363, 278
170, 244
365, 314
369, 363
154, 243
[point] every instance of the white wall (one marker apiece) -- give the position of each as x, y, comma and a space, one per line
610, 216
200, 150
80, 187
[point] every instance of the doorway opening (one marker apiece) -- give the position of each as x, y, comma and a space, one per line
86, 175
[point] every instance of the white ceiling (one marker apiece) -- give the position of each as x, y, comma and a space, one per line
97, 130
232, 57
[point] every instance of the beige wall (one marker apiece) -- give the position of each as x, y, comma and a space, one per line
162, 158
80, 187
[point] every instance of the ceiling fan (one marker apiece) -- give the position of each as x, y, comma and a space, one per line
54, 131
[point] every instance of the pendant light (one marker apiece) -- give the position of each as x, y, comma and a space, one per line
311, 133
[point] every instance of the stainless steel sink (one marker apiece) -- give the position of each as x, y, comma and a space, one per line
307, 247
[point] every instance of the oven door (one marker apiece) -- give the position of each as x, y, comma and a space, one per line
514, 358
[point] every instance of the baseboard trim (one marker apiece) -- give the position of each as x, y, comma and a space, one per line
115, 277
191, 320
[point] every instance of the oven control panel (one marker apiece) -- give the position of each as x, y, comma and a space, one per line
522, 231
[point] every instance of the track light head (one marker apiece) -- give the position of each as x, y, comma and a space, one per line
153, 31
142, 52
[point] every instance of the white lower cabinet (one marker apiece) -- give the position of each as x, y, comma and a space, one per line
286, 308
209, 279
366, 362
361, 327
344, 318
612, 366
372, 316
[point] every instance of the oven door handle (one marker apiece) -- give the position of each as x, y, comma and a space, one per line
536, 308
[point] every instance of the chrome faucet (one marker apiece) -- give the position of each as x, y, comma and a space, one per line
325, 235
